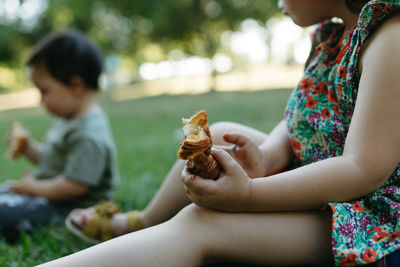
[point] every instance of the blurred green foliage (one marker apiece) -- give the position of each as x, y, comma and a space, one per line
143, 30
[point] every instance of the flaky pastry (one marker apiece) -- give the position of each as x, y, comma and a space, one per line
196, 147
18, 140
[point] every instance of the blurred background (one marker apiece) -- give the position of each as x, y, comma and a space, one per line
159, 47
164, 59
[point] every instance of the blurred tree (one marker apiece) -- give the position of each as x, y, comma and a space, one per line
142, 29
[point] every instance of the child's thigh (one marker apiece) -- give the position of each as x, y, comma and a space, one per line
220, 128
263, 238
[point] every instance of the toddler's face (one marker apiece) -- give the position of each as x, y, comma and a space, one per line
307, 12
57, 97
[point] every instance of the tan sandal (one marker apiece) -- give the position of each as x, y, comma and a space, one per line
98, 228
134, 221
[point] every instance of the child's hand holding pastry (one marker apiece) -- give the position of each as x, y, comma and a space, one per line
17, 140
230, 192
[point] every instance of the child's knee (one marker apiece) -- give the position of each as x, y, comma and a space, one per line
194, 216
218, 129
189, 213
194, 223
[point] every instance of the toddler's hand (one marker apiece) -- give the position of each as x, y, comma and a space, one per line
246, 153
25, 186
17, 140
230, 192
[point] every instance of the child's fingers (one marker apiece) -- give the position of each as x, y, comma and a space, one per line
225, 160
230, 149
197, 184
235, 138
186, 174
14, 187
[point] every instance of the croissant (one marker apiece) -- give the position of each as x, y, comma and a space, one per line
18, 141
196, 147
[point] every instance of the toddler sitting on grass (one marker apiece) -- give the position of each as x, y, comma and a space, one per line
76, 164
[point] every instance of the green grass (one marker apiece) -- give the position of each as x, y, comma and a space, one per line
147, 133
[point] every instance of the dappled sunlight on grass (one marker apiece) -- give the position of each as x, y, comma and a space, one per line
22, 99
258, 77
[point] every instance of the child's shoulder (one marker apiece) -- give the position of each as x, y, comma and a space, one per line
89, 126
389, 28
374, 15
385, 40
392, 22
94, 120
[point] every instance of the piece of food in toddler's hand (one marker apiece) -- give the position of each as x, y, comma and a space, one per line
196, 147
17, 141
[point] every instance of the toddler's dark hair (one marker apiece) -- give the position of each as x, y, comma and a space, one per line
355, 6
66, 54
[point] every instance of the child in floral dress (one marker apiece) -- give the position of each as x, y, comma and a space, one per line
366, 228
322, 188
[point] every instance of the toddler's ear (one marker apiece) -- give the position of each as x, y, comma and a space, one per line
77, 85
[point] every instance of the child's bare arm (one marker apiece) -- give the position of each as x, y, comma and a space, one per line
371, 152
33, 150
57, 189
277, 150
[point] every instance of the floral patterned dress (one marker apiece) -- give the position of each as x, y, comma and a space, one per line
318, 117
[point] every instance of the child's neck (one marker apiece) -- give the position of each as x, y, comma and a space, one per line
88, 104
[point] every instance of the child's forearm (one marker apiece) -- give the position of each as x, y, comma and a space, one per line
312, 186
57, 189
33, 151
277, 150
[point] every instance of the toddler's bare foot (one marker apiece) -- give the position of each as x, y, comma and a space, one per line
119, 221
119, 224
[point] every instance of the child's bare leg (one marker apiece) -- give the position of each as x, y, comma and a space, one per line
275, 238
168, 200
171, 197
198, 235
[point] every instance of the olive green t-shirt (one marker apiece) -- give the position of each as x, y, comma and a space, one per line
83, 150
